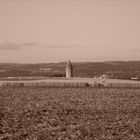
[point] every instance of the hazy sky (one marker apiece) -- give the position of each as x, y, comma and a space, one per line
33, 31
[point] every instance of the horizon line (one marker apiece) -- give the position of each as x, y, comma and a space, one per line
73, 62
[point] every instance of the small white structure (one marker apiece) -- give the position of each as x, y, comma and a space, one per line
134, 78
69, 70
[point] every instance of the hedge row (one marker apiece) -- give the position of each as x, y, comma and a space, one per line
70, 84
122, 85
45, 84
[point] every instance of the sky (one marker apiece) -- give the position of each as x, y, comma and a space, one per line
43, 31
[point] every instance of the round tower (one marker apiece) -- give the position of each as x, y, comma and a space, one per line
69, 70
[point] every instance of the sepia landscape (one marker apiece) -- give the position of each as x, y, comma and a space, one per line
69, 70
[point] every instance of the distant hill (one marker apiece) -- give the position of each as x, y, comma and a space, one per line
113, 69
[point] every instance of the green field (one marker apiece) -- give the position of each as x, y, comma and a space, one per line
69, 114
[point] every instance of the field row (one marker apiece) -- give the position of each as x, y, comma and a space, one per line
70, 84
69, 114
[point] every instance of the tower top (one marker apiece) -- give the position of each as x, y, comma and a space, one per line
69, 64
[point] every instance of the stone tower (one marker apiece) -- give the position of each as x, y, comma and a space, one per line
69, 70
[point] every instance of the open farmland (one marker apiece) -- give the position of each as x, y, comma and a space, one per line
69, 114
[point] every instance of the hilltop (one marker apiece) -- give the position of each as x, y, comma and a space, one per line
112, 69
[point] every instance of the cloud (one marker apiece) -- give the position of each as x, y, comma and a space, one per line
4, 57
8, 46
57, 47
14, 46
135, 50
29, 44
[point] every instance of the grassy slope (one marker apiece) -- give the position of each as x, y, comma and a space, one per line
69, 113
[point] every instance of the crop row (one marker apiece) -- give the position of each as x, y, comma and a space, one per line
69, 114
45, 84
71, 84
